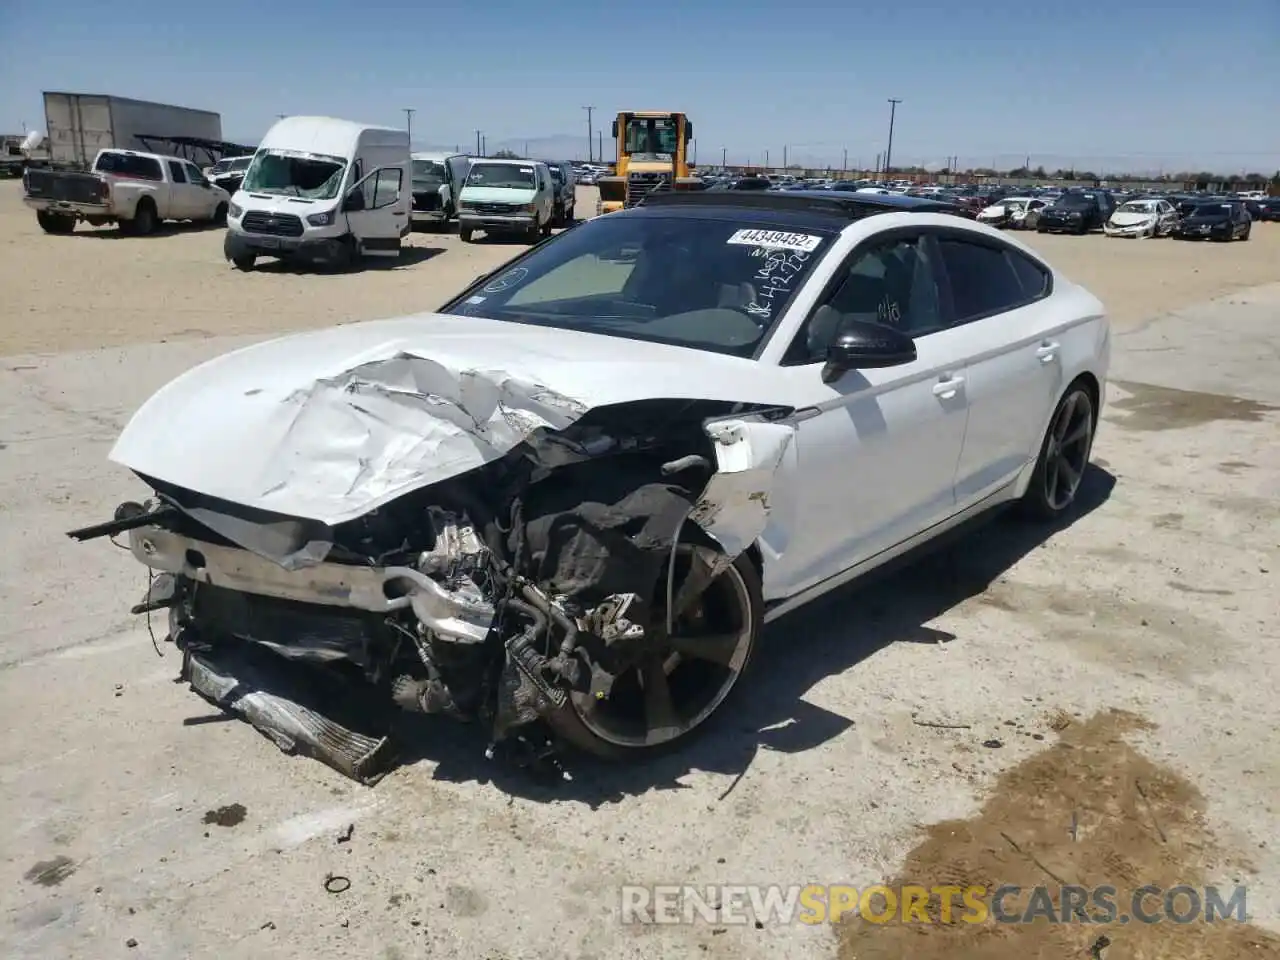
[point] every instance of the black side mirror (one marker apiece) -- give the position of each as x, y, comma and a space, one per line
862, 345
354, 202
615, 129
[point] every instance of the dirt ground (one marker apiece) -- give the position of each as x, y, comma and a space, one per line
177, 285
1092, 705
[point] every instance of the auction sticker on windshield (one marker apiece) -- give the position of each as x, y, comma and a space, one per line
776, 239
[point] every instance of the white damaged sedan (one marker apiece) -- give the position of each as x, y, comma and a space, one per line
565, 504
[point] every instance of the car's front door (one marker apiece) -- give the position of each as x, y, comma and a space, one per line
877, 449
203, 199
181, 202
378, 217
997, 302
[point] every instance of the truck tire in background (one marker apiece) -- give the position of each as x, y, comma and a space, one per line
144, 220
220, 215
55, 222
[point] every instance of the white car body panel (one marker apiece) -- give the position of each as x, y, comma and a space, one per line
1160, 218
330, 424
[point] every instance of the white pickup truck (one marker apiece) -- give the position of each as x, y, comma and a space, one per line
135, 191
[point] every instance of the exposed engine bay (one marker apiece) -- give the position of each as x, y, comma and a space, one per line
512, 595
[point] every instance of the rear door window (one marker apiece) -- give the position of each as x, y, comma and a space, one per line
982, 279
130, 165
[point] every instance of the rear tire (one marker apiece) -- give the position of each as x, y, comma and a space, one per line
1064, 456
610, 728
220, 215
56, 223
464, 234
144, 220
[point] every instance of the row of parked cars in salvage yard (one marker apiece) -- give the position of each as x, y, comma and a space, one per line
1082, 211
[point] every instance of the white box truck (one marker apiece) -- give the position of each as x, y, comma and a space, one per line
78, 125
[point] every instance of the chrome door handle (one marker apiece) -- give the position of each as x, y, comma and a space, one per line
948, 388
1047, 350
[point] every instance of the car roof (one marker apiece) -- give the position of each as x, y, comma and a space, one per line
819, 208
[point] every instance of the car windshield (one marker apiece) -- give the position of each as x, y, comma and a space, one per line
1075, 201
556, 174
513, 176
310, 175
240, 164
1211, 209
222, 166
1138, 206
428, 171
711, 285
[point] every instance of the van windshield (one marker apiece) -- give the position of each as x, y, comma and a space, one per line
314, 176
429, 171
510, 175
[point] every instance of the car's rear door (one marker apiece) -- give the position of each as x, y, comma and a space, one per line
999, 306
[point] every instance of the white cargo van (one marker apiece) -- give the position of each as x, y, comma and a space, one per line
322, 190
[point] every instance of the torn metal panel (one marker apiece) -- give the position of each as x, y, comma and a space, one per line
734, 506
454, 614
267, 695
331, 424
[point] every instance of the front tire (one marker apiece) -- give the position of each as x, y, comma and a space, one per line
244, 262
464, 234
671, 697
220, 215
1064, 456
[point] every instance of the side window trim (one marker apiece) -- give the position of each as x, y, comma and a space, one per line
944, 279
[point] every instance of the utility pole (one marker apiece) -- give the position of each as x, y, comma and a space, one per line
526, 148
844, 165
590, 134
408, 117
484, 146
888, 151
766, 159
784, 156
877, 166
600, 143
724, 157
479, 151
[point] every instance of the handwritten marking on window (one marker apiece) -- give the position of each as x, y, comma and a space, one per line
774, 277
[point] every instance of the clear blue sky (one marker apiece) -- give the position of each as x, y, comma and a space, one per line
1111, 83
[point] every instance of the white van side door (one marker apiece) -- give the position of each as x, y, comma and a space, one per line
375, 211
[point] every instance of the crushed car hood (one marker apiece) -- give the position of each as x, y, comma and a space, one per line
1130, 219
331, 424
